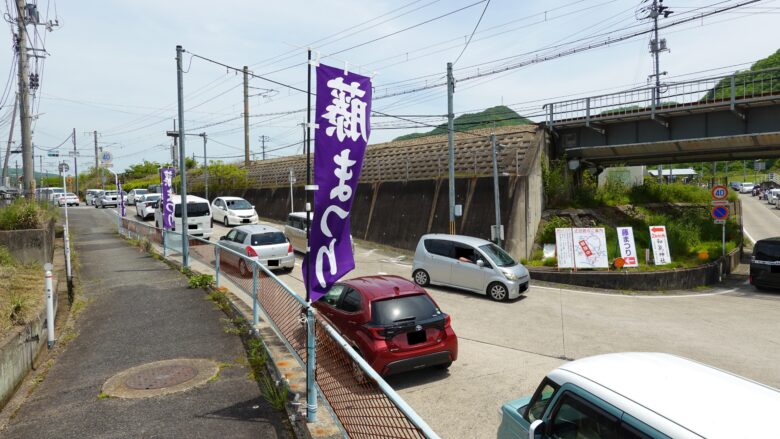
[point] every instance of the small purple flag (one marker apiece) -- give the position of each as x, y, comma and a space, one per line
166, 178
343, 125
121, 200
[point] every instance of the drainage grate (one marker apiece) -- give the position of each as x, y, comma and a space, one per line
160, 377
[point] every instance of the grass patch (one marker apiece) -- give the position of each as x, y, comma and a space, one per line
274, 392
200, 281
27, 214
103, 395
21, 295
220, 366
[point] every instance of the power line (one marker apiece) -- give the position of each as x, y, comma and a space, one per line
472, 33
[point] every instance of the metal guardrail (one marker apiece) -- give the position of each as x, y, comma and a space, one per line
720, 91
364, 404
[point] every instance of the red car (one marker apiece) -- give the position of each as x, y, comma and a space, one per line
392, 322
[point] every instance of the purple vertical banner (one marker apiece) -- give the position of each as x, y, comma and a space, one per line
166, 179
121, 199
343, 125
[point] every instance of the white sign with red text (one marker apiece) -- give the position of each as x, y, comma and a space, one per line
660, 245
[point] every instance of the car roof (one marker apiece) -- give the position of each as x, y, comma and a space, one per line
383, 287
257, 228
772, 240
231, 198
690, 394
190, 199
468, 240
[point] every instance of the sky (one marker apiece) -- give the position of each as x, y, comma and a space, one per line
111, 64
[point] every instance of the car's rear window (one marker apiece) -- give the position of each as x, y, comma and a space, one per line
403, 309
268, 238
767, 251
193, 210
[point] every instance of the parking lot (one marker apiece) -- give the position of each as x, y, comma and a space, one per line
506, 348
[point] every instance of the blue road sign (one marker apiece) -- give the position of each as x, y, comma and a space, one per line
720, 212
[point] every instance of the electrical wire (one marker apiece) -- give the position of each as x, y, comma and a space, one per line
472, 33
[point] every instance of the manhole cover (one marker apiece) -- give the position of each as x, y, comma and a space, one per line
160, 377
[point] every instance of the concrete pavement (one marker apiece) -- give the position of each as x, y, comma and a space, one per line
141, 311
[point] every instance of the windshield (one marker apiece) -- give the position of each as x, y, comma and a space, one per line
110, 193
57, 190
193, 210
140, 191
498, 255
269, 238
238, 204
151, 197
767, 251
404, 308
69, 194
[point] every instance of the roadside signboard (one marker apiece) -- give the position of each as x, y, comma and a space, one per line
64, 167
660, 245
719, 192
52, 154
720, 213
564, 249
590, 247
627, 246
106, 157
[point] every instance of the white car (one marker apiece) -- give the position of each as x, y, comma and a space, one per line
746, 188
198, 216
233, 211
90, 196
135, 196
69, 198
145, 207
771, 196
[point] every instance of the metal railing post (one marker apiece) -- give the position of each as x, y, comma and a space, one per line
733, 93
587, 112
216, 265
311, 362
254, 293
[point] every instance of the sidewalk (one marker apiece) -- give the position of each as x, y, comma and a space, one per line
141, 311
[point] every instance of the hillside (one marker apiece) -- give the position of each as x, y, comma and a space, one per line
498, 116
722, 89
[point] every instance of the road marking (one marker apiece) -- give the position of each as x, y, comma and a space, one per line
748, 235
680, 296
381, 273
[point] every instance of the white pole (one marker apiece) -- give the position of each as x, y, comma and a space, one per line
66, 238
49, 305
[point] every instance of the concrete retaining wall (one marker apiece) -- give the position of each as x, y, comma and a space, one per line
31, 245
666, 280
19, 351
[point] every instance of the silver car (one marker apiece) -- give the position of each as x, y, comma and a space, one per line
145, 206
468, 263
264, 244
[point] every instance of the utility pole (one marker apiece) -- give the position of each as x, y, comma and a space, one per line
99, 182
24, 96
185, 256
496, 197
10, 140
246, 116
174, 147
451, 145
205, 166
263, 139
657, 46
75, 162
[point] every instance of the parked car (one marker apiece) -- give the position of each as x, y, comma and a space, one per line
68, 198
295, 229
90, 195
746, 188
145, 207
391, 322
198, 216
55, 198
264, 244
765, 263
468, 263
135, 195
638, 396
233, 210
107, 198
154, 188
53, 193
772, 196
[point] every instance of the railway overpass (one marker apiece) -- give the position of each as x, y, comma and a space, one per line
728, 117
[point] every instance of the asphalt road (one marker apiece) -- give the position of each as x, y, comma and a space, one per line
761, 219
505, 349
141, 311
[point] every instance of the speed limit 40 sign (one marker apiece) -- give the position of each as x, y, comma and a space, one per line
719, 192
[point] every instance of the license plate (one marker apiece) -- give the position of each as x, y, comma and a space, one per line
245, 221
273, 263
416, 337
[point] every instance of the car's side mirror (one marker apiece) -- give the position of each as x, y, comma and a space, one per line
536, 429
222, 238
480, 263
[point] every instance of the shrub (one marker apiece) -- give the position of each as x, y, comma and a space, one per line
556, 189
200, 280
547, 232
21, 214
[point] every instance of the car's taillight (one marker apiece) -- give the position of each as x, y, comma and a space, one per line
447, 321
377, 333
250, 251
289, 248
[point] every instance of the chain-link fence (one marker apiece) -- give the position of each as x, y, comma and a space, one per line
364, 404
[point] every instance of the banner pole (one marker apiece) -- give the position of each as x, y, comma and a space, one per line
311, 348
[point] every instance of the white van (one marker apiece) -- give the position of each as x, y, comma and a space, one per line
198, 216
641, 395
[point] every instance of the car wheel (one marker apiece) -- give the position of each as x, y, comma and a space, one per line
243, 269
421, 278
497, 291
